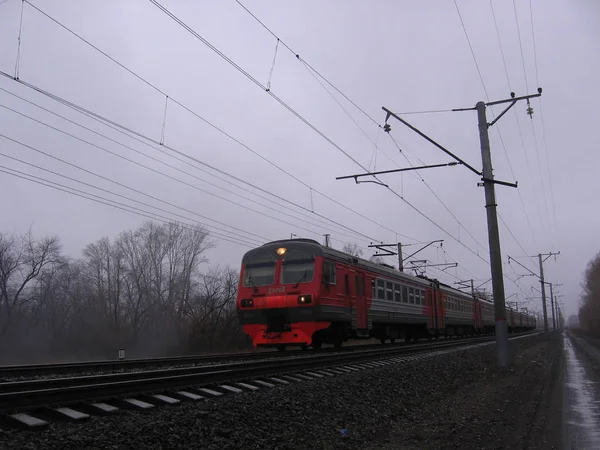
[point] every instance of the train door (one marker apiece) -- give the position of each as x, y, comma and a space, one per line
361, 302
478, 316
440, 310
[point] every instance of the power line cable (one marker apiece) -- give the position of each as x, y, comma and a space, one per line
299, 116
205, 120
137, 191
157, 172
535, 60
527, 87
434, 193
136, 136
157, 160
102, 200
220, 231
315, 73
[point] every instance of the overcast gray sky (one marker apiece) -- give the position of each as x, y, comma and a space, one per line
408, 56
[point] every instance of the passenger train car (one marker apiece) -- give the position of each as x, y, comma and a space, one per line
299, 293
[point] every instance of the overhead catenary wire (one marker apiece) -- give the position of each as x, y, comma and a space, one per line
314, 72
146, 140
535, 61
102, 200
532, 125
303, 119
150, 196
434, 193
416, 112
117, 183
220, 231
517, 119
186, 108
159, 161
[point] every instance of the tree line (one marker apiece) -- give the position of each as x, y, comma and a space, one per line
150, 291
589, 311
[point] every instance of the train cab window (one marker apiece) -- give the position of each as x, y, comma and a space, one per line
298, 267
397, 293
422, 297
411, 295
259, 269
389, 291
404, 294
347, 283
329, 272
380, 289
417, 296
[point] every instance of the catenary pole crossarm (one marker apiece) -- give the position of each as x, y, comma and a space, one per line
427, 138
406, 169
530, 271
423, 248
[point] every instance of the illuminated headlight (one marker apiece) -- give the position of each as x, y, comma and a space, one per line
304, 299
247, 303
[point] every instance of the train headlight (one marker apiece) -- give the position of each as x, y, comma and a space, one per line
247, 303
281, 251
304, 299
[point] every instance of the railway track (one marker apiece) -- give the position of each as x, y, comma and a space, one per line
40, 370
51, 395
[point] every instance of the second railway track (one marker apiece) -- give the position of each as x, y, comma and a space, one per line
16, 372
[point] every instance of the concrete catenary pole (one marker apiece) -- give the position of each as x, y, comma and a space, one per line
543, 292
494, 240
552, 306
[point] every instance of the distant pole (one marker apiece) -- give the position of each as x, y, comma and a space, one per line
543, 292
494, 240
400, 262
552, 306
472, 288
326, 240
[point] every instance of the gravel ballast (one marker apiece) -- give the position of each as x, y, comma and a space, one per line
459, 400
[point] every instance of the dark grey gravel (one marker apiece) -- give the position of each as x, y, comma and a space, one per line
451, 401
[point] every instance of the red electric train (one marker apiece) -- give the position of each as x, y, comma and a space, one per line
299, 293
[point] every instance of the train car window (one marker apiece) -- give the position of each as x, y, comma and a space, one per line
259, 269
389, 291
347, 283
373, 288
357, 284
397, 293
380, 289
329, 272
422, 297
411, 295
404, 294
417, 296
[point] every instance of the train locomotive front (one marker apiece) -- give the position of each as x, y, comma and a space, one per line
278, 296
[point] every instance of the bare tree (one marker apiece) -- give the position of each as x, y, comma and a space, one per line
377, 259
22, 259
589, 312
146, 291
352, 249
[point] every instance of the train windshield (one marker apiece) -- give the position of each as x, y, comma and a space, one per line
298, 267
260, 270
